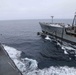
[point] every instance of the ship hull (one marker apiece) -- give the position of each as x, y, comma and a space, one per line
58, 32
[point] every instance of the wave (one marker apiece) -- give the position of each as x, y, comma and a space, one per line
67, 48
23, 64
54, 71
30, 66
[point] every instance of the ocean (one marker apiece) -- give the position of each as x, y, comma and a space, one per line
32, 54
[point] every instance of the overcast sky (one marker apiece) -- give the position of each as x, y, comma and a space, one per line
37, 9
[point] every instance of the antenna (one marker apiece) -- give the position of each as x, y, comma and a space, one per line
52, 18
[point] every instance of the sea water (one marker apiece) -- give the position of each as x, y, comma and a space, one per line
32, 54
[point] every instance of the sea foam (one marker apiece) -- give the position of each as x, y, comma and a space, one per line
47, 37
24, 65
30, 66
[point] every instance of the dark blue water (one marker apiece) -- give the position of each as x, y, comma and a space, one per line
22, 35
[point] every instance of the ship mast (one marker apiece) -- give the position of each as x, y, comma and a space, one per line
74, 20
52, 18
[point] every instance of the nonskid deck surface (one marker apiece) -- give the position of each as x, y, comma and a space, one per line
7, 67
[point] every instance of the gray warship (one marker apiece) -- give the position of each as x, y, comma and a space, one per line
65, 32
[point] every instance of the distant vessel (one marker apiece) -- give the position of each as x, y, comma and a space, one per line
65, 32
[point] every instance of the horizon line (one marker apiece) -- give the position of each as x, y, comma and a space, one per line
32, 19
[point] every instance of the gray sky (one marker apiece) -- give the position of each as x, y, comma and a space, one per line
36, 9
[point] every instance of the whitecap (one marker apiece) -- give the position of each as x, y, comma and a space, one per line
13, 53
47, 37
54, 71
